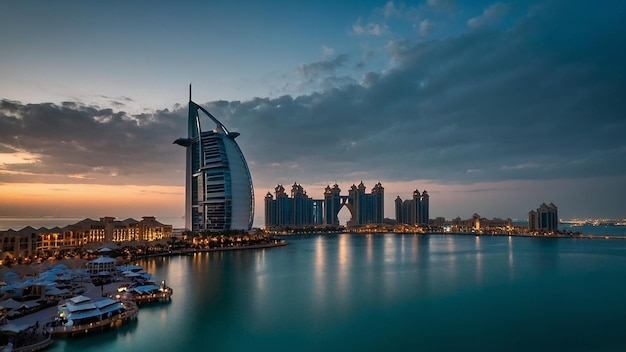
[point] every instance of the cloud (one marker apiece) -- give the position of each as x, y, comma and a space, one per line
327, 51
390, 10
425, 27
87, 143
442, 5
323, 74
502, 102
529, 104
324, 66
371, 28
492, 15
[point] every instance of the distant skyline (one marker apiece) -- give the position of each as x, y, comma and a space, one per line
492, 107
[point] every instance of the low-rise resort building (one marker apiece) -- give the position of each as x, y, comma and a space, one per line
43, 242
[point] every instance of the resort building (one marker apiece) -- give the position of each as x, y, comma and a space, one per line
413, 211
16, 244
479, 224
218, 185
100, 265
298, 210
82, 310
544, 219
30, 242
365, 208
369, 207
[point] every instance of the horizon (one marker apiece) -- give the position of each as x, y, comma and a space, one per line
493, 107
19, 223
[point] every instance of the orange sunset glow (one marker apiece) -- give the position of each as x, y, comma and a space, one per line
39, 199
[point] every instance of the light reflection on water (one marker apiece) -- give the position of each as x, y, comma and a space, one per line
382, 291
479, 261
511, 261
319, 271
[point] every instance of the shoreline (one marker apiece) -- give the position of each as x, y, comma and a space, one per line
94, 292
38, 319
188, 251
570, 236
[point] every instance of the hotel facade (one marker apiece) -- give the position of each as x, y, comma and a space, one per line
544, 219
42, 242
218, 185
413, 211
298, 210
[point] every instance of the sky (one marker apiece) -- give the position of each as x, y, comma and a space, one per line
492, 107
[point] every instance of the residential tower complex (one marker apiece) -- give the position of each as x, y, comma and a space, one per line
413, 211
299, 210
544, 219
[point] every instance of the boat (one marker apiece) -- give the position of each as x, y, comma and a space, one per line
81, 316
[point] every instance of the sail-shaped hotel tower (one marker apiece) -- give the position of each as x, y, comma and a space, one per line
218, 186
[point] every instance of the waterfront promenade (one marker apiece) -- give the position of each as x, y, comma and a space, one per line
38, 337
97, 292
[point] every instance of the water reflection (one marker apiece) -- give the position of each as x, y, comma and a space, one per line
402, 247
414, 247
452, 258
511, 257
369, 251
479, 260
423, 246
319, 272
260, 293
343, 267
546, 253
389, 278
389, 248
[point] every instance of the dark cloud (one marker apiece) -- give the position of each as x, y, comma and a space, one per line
322, 67
542, 100
524, 103
323, 74
492, 15
89, 144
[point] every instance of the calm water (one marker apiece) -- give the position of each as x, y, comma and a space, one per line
386, 292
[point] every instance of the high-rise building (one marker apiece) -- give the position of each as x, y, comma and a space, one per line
218, 186
365, 208
299, 210
332, 205
368, 207
545, 218
296, 211
413, 211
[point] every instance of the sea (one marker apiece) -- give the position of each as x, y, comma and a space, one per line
373, 292
385, 292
